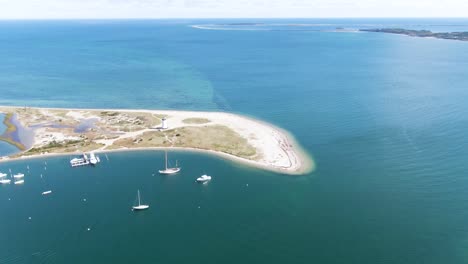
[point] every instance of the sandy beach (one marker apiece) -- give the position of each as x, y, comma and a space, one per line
274, 148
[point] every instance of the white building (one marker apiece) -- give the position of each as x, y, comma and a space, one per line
164, 123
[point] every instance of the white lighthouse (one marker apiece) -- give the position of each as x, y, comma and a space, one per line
164, 123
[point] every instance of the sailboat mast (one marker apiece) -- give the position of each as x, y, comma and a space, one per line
139, 203
166, 160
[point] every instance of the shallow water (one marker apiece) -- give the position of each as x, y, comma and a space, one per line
85, 125
5, 148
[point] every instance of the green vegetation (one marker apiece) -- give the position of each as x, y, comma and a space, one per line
7, 122
217, 137
105, 113
111, 124
195, 120
131, 121
463, 36
10, 129
64, 147
12, 142
53, 146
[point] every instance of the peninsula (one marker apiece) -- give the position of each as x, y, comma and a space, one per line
463, 36
48, 131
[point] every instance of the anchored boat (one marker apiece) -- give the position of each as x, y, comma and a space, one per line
18, 175
85, 160
5, 181
169, 170
140, 206
19, 182
204, 178
93, 159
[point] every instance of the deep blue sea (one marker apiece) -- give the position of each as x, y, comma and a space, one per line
384, 116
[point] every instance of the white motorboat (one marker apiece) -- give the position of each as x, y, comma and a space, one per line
169, 170
78, 162
46, 192
5, 181
93, 159
18, 175
75, 162
204, 178
19, 182
85, 160
2, 175
140, 206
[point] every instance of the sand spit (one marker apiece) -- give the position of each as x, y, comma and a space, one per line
239, 138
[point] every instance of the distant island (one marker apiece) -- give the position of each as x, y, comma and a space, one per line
243, 24
463, 36
40, 132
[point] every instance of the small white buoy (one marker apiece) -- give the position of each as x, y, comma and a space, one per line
9, 199
89, 229
198, 207
29, 218
84, 199
247, 185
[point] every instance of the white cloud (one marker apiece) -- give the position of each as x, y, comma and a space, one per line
33, 9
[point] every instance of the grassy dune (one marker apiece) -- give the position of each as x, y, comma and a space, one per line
215, 137
195, 120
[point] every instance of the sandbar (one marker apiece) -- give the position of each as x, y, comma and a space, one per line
59, 131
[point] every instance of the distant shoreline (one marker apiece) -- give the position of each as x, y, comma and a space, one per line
276, 150
461, 36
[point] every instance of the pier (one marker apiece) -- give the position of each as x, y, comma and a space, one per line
85, 160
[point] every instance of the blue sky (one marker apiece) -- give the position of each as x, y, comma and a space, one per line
56, 9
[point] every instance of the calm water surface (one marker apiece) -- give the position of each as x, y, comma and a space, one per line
384, 116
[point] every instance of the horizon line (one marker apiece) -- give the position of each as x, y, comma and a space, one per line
196, 18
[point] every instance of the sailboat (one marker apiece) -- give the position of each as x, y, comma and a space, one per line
3, 174
169, 170
46, 185
140, 206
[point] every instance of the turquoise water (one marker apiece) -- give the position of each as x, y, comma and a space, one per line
383, 115
7, 149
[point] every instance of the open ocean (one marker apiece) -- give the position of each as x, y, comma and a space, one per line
384, 116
